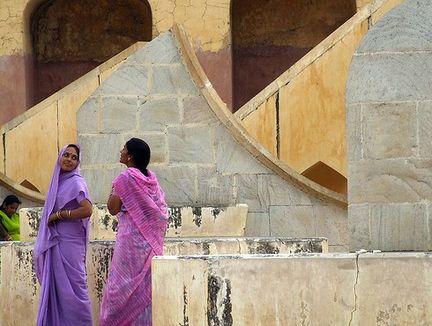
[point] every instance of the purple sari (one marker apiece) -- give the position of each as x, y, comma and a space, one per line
60, 252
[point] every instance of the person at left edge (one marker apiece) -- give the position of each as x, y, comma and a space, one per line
9, 218
61, 245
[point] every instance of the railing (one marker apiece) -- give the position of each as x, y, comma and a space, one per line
30, 142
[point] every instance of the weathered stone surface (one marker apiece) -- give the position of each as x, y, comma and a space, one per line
333, 222
127, 80
282, 195
298, 221
196, 110
390, 181
385, 275
214, 188
405, 28
158, 146
99, 180
178, 182
172, 79
354, 131
88, 116
390, 77
395, 227
232, 285
390, 130
157, 114
119, 114
258, 224
191, 145
252, 190
161, 50
425, 129
100, 148
233, 158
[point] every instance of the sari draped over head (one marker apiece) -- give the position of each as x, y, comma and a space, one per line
11, 224
59, 253
142, 226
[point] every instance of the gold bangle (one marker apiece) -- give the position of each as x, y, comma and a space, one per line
58, 215
69, 214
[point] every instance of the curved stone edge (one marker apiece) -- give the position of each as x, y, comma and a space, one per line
239, 133
20, 191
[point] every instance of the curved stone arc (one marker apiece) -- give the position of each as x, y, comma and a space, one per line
32, 198
240, 133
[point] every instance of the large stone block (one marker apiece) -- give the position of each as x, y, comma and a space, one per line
178, 182
425, 129
161, 50
390, 77
332, 222
252, 190
214, 188
390, 181
191, 145
172, 79
293, 221
232, 158
196, 110
119, 114
390, 130
157, 114
354, 131
283, 194
99, 180
127, 80
401, 284
254, 290
258, 224
88, 116
100, 148
390, 227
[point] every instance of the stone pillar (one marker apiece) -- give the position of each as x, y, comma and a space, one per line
389, 114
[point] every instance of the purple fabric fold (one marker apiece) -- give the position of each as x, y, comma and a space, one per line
60, 251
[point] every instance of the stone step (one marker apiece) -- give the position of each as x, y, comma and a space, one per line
19, 290
183, 221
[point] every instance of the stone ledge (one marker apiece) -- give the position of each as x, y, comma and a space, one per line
183, 222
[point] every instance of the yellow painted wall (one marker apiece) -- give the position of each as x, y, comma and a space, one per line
262, 124
32, 147
312, 109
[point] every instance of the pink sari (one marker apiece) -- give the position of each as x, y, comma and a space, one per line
142, 224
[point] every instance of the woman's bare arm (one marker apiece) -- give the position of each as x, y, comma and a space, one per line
85, 210
114, 204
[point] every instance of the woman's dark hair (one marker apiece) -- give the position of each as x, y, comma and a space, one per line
9, 200
140, 152
77, 149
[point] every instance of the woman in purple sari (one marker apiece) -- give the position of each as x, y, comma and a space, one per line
61, 245
139, 203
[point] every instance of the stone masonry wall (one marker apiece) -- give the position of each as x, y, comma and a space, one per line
198, 162
389, 114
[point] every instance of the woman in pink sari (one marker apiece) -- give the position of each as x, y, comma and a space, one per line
60, 248
139, 203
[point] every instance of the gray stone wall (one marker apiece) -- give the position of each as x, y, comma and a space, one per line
197, 160
389, 111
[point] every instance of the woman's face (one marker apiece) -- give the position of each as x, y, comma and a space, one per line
69, 160
10, 209
124, 155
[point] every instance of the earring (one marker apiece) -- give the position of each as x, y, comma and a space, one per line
128, 158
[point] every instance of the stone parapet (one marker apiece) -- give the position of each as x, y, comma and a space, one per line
337, 289
182, 222
19, 288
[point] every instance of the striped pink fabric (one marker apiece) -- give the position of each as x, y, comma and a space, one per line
142, 226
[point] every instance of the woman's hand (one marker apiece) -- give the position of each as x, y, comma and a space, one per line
52, 218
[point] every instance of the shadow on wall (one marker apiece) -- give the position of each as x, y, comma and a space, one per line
326, 176
269, 37
70, 38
